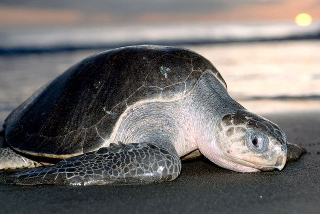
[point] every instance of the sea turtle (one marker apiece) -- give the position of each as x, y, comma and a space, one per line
128, 115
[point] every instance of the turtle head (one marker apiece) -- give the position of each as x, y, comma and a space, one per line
247, 142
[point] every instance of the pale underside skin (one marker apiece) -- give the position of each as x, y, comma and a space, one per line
158, 130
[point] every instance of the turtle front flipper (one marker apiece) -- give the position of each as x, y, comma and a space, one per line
143, 162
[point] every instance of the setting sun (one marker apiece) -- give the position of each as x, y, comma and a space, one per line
303, 19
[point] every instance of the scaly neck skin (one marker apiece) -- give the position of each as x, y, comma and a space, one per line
208, 102
188, 123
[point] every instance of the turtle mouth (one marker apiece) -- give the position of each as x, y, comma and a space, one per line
280, 163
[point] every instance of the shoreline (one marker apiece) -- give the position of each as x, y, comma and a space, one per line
16, 51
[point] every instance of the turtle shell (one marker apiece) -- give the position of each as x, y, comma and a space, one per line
77, 111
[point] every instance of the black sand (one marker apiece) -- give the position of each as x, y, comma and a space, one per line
201, 188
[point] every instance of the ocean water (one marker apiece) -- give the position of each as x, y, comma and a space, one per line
66, 38
265, 66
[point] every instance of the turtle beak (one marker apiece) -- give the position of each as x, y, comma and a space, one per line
282, 159
281, 153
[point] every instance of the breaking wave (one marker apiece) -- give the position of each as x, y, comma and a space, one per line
44, 40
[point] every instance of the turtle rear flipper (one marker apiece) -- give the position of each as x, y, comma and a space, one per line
9, 159
143, 162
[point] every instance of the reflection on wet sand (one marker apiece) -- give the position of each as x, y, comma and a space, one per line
280, 106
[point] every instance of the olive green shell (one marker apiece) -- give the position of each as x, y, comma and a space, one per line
78, 110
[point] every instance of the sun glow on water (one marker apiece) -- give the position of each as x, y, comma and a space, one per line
303, 19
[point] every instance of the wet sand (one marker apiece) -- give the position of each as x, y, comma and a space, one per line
201, 188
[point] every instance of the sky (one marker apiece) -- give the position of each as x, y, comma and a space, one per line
64, 12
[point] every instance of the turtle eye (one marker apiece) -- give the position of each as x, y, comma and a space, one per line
257, 141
